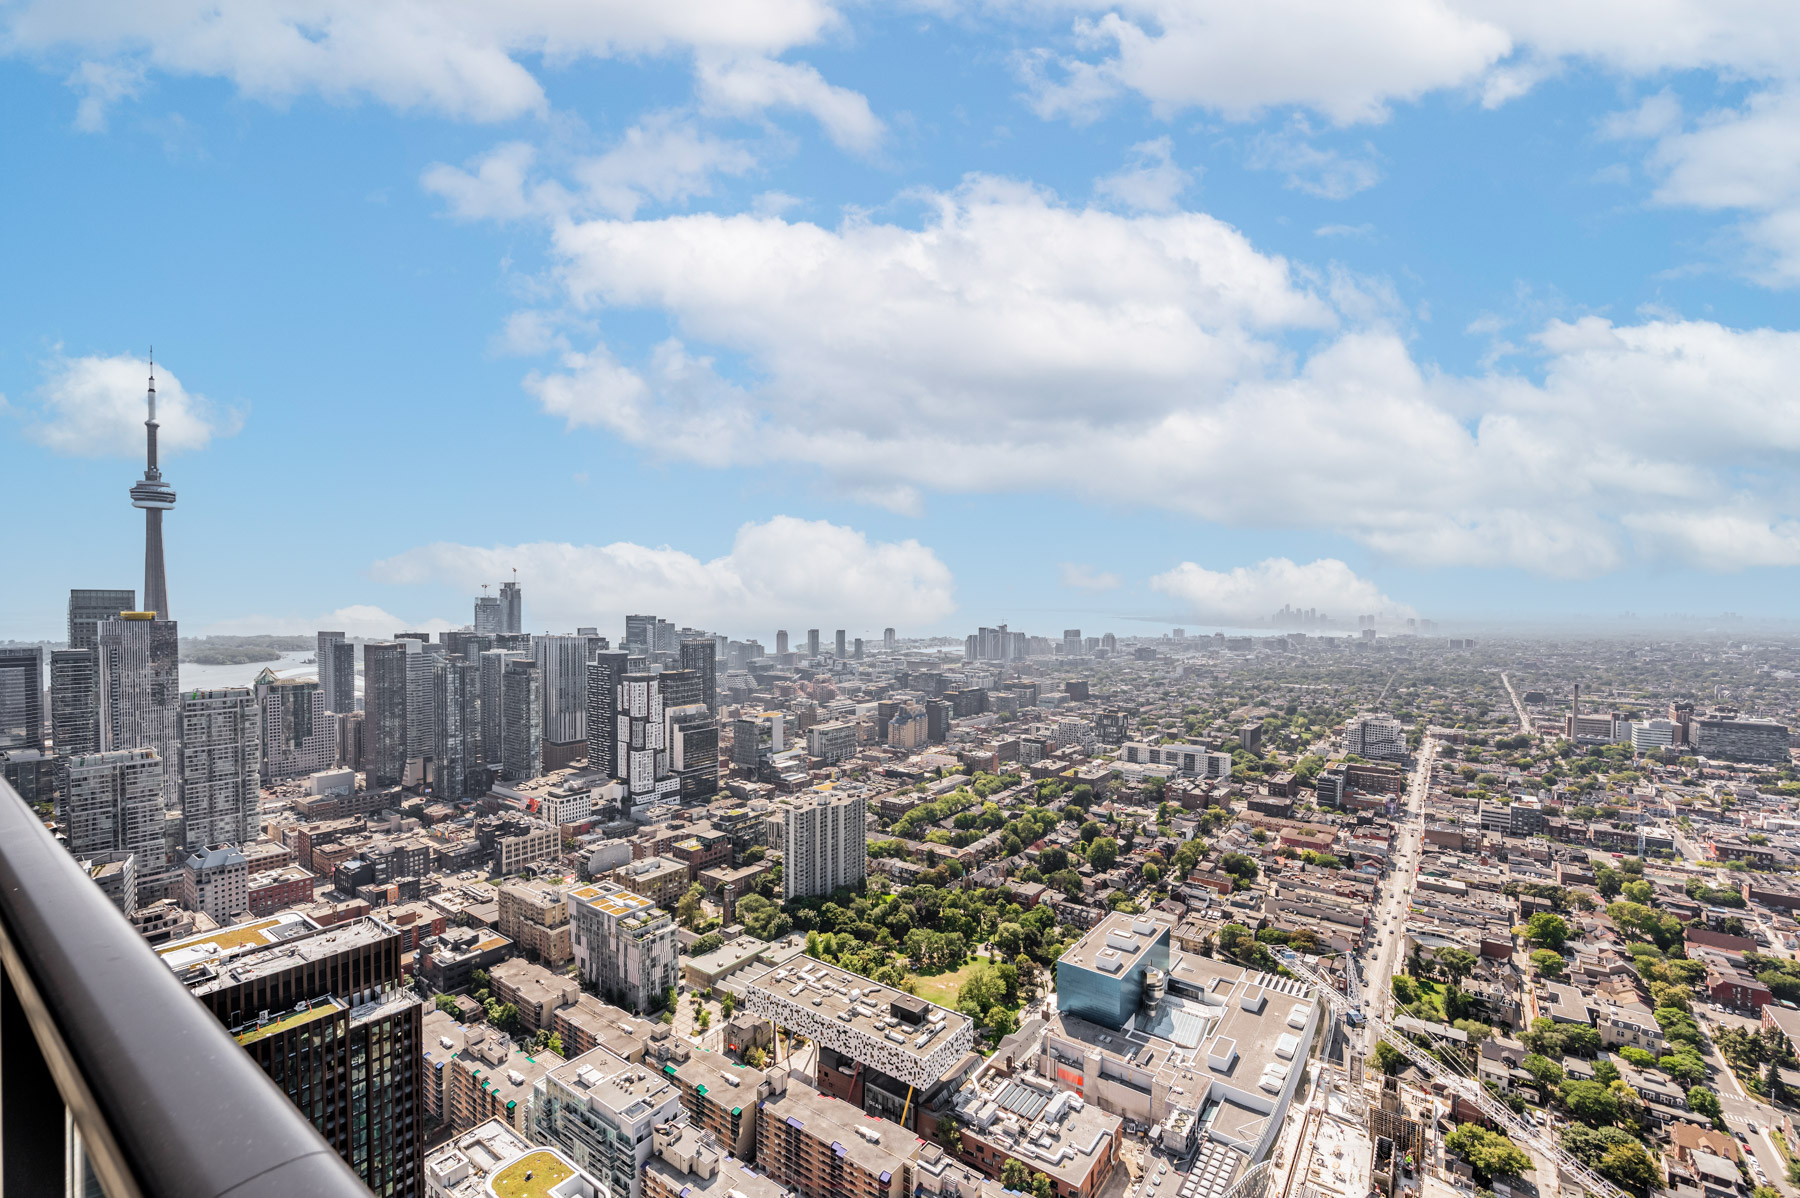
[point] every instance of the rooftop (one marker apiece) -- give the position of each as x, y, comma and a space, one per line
632, 1091
613, 900
323, 1008
274, 958
1117, 943
1050, 1130
534, 1175
868, 1020
182, 955
843, 1126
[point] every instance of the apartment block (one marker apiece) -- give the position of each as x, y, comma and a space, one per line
536, 918
625, 945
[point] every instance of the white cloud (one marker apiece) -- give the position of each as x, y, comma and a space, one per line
95, 407
101, 85
1257, 592
662, 158
1161, 360
782, 572
1345, 59
460, 58
1740, 160
746, 86
1151, 183
1328, 174
1086, 578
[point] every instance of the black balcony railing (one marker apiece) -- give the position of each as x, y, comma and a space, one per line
114, 1081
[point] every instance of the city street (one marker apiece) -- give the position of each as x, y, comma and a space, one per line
1396, 898
1743, 1110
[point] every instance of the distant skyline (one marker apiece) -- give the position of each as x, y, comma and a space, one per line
786, 313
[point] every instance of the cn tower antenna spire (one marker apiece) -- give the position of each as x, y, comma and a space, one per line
156, 497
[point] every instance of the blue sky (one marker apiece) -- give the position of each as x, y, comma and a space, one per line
783, 313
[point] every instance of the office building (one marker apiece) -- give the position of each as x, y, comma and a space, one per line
155, 497
456, 706
88, 608
823, 844
887, 639
336, 660
601, 1112
21, 697
1071, 642
812, 642
216, 880
75, 701
625, 945
701, 658
1376, 737
323, 1012
838, 644
562, 671
113, 802
221, 757
140, 692
832, 742
1734, 739
1649, 735
908, 727
421, 700
755, 739
937, 721
640, 635
694, 750
522, 734
493, 703
512, 604
606, 677
298, 736
385, 694
490, 615
781, 642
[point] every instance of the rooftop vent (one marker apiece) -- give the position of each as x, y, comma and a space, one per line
1253, 999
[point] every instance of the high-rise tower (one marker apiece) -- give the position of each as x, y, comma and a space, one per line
156, 497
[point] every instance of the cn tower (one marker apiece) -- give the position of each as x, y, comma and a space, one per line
156, 497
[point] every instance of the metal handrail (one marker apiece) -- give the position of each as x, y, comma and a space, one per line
166, 1103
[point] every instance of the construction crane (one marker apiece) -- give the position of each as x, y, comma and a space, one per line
1460, 1084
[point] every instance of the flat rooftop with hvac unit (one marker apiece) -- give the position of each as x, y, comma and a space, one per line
1208, 1050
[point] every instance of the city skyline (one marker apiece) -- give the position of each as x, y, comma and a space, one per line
1460, 329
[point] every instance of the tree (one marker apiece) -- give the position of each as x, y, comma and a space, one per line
1151, 874
706, 944
688, 910
1406, 991
1545, 1072
1241, 867
447, 1005
1684, 1067
728, 1004
1589, 1144
1014, 1175
1590, 1102
1704, 1102
1548, 930
1103, 853
1042, 1187
1638, 1057
1489, 1153
1388, 1059
1548, 962
1456, 963
1630, 1165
